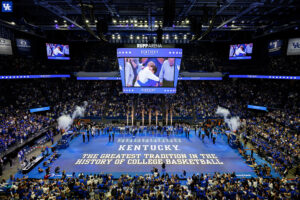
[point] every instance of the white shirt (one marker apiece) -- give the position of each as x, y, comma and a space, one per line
239, 51
56, 51
145, 75
129, 75
166, 72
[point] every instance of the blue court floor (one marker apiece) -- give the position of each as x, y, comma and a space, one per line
226, 159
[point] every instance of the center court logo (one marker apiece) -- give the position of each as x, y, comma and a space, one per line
7, 6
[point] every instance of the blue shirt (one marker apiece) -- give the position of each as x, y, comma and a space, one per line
167, 72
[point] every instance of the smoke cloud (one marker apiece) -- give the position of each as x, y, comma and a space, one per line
233, 122
222, 111
65, 121
79, 112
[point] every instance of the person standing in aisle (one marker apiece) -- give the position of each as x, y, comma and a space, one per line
83, 136
214, 137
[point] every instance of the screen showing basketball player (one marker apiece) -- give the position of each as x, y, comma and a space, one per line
58, 51
149, 72
240, 51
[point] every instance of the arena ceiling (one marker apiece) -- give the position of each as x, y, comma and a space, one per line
147, 15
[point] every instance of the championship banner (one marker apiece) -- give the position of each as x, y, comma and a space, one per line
275, 47
24, 46
293, 47
5, 47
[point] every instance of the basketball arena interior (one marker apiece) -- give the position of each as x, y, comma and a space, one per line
150, 99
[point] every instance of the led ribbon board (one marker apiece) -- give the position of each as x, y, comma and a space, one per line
98, 78
34, 76
266, 77
257, 107
200, 78
32, 110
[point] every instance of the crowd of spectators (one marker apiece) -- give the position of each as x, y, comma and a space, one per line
205, 58
19, 65
18, 126
275, 143
93, 62
194, 99
283, 65
152, 186
274, 134
101, 57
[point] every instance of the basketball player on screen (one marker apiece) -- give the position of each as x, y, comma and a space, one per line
57, 51
147, 77
240, 51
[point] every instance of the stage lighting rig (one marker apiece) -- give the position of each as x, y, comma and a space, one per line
90, 8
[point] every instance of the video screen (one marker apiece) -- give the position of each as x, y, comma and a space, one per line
149, 72
240, 51
58, 51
